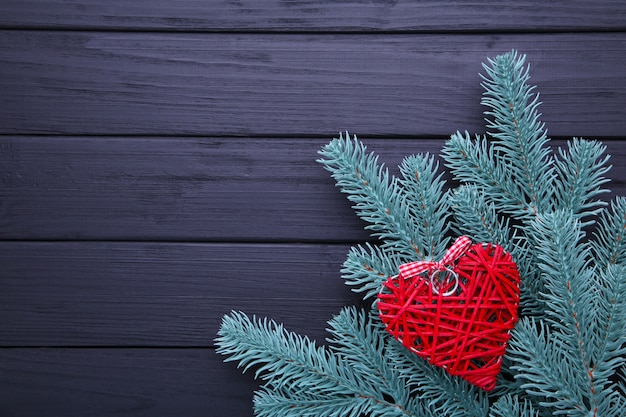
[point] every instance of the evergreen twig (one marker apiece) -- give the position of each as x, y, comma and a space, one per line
567, 353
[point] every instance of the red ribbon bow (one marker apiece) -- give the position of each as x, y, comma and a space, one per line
458, 248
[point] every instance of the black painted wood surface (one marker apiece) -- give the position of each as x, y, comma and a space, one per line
191, 382
162, 294
267, 84
157, 169
316, 16
191, 189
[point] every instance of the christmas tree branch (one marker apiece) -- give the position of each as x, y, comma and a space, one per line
546, 369
519, 137
587, 314
282, 358
570, 284
563, 259
474, 162
428, 203
366, 268
479, 219
610, 235
580, 170
445, 395
298, 372
354, 331
610, 354
296, 403
511, 406
378, 200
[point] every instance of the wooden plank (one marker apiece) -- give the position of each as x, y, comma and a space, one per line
176, 189
121, 382
160, 294
190, 189
354, 16
236, 84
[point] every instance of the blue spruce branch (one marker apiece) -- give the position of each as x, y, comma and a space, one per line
475, 162
304, 378
443, 393
567, 353
297, 403
610, 235
479, 219
580, 169
610, 353
511, 406
366, 268
586, 317
377, 198
546, 370
569, 280
429, 209
353, 332
519, 137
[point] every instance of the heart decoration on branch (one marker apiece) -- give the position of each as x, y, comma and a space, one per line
458, 312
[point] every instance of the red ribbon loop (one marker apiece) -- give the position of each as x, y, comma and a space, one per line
458, 248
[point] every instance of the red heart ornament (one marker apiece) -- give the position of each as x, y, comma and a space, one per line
457, 313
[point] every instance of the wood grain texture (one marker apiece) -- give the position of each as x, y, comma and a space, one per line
289, 16
157, 169
162, 294
190, 189
177, 189
217, 84
121, 382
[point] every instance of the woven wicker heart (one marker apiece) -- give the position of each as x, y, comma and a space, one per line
459, 315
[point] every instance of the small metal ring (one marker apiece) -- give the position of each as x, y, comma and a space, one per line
450, 273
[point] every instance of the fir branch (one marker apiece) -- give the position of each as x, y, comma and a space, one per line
428, 203
296, 403
571, 287
274, 403
621, 381
291, 364
520, 138
475, 162
545, 368
580, 170
586, 311
366, 268
532, 303
284, 359
378, 198
511, 406
507, 384
478, 218
444, 394
610, 235
514, 192
361, 343
610, 354
515, 169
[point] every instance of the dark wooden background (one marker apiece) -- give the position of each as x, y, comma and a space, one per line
157, 169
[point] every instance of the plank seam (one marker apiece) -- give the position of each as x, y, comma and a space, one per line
321, 32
